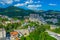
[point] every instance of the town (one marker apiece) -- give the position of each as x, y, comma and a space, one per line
29, 19
17, 29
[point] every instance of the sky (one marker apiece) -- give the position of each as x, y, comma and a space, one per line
32, 4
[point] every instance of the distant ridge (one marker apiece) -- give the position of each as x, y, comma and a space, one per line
13, 11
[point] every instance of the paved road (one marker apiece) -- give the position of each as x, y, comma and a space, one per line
55, 35
3, 38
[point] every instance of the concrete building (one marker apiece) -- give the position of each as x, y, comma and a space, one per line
34, 17
53, 20
53, 26
2, 34
14, 35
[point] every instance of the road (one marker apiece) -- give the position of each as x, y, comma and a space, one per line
55, 35
3, 38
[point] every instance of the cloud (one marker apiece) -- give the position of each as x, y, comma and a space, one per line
9, 1
35, 5
22, 4
2, 3
29, 2
6, 2
17, 0
51, 4
37, 2
25, 3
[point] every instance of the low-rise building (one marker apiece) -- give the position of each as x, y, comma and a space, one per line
34, 17
53, 20
2, 33
14, 35
53, 26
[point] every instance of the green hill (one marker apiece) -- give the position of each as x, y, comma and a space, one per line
15, 11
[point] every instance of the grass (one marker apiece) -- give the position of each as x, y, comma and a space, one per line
57, 30
42, 36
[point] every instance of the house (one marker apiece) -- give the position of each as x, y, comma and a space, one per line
2, 33
14, 35
53, 20
26, 17
7, 22
26, 20
22, 32
53, 26
34, 17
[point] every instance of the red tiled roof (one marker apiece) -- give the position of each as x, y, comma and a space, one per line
14, 33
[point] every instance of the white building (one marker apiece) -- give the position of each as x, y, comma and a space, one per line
2, 33
34, 17
53, 20
53, 26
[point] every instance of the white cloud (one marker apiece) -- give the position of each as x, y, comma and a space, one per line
22, 4
51, 4
34, 7
6, 1
31, 6
9, 1
29, 1
37, 2
17, 0
2, 3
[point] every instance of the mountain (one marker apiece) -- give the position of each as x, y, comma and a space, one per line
15, 11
